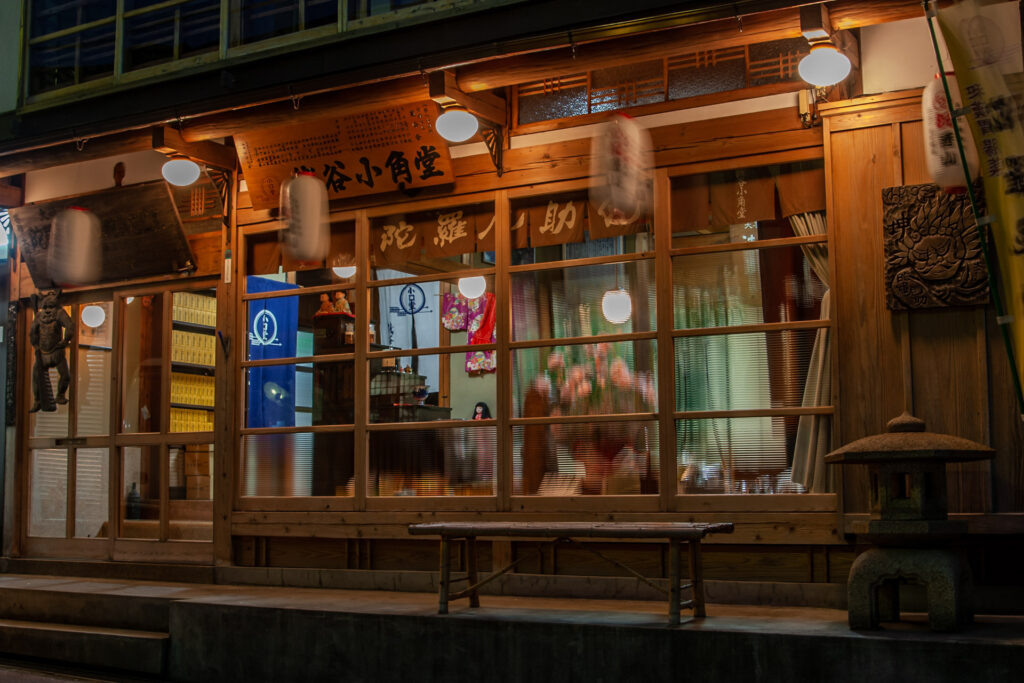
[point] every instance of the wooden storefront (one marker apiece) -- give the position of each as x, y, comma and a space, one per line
342, 505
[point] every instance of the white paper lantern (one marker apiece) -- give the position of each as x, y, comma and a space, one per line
180, 172
472, 287
305, 233
621, 159
456, 125
93, 316
941, 153
617, 306
824, 65
75, 253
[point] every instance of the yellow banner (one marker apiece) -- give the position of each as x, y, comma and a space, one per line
981, 47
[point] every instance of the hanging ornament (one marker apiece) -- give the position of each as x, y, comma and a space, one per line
621, 158
74, 256
305, 232
941, 153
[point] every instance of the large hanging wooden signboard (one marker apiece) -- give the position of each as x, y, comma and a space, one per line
389, 150
139, 225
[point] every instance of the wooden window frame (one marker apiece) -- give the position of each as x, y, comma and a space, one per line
667, 500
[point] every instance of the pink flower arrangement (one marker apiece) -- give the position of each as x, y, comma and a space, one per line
599, 383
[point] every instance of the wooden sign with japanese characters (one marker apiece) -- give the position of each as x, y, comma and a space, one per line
390, 150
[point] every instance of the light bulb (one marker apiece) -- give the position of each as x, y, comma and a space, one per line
617, 306
472, 287
824, 65
180, 172
456, 125
93, 315
344, 272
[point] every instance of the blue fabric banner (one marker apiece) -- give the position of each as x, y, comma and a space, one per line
272, 333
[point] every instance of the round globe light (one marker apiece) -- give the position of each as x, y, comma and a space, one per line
472, 287
456, 125
824, 65
180, 172
93, 315
344, 272
617, 306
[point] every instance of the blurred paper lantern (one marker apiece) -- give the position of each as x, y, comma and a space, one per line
620, 182
472, 287
344, 272
93, 315
75, 256
306, 233
941, 154
455, 124
180, 171
617, 306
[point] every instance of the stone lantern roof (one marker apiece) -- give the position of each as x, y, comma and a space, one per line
907, 440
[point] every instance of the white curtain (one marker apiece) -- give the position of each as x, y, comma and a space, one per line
813, 434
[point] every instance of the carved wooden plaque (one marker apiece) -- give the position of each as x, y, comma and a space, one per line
140, 232
389, 150
932, 250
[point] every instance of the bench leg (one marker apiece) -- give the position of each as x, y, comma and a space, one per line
474, 597
445, 581
697, 579
675, 582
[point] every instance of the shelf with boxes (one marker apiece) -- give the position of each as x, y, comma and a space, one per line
193, 360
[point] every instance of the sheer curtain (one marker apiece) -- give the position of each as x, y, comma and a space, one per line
813, 434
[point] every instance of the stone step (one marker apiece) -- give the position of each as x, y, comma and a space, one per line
85, 603
95, 646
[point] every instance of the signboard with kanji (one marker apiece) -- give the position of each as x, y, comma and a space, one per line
389, 150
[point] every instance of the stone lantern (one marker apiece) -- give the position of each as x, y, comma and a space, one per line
909, 525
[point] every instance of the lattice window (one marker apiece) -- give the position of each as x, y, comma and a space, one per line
676, 77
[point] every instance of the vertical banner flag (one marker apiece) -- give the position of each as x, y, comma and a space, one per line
272, 334
983, 46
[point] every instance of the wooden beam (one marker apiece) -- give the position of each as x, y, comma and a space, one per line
69, 152
11, 195
721, 33
169, 141
312, 107
445, 91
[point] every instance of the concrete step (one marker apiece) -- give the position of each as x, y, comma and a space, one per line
84, 602
97, 646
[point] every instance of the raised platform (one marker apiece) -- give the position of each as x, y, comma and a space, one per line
258, 633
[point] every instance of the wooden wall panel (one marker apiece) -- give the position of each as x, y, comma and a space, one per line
942, 364
870, 385
915, 171
1007, 430
950, 386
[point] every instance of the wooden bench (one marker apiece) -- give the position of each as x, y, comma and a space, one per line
566, 532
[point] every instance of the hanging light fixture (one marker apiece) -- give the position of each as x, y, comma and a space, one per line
180, 171
472, 287
456, 124
617, 306
93, 316
344, 272
824, 65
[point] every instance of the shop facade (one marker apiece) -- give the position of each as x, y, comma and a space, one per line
692, 362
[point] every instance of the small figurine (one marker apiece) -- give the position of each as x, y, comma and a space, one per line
325, 304
341, 303
51, 332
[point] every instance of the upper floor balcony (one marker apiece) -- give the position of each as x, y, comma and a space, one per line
76, 48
